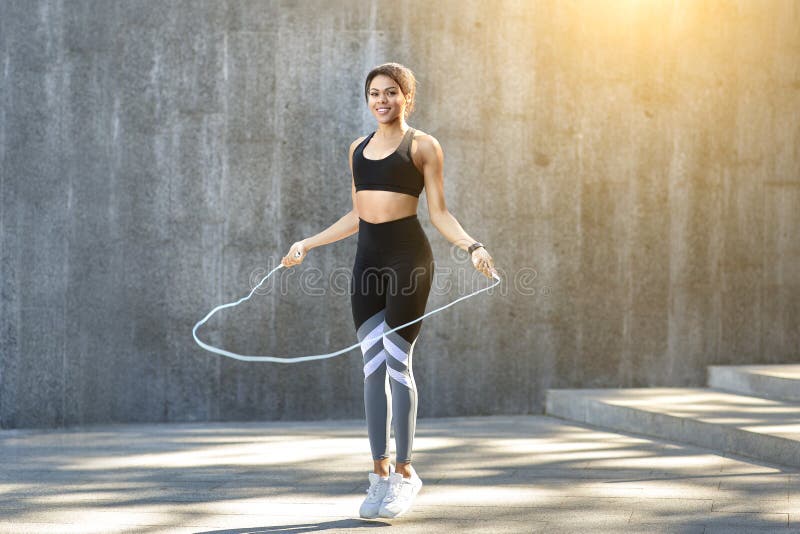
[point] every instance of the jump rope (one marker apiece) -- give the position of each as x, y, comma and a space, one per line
278, 359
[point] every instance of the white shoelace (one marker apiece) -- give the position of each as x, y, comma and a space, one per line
394, 490
372, 492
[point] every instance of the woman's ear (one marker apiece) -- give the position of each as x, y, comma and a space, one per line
410, 103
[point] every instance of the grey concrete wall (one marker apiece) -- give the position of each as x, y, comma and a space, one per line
634, 164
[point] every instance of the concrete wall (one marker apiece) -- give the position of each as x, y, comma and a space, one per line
631, 166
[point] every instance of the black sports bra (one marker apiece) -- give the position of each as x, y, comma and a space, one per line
395, 172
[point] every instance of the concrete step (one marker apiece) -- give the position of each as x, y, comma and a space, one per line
755, 427
781, 382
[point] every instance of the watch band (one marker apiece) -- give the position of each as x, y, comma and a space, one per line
474, 246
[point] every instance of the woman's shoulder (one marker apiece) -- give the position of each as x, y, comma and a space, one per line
353, 147
355, 143
419, 134
424, 139
424, 145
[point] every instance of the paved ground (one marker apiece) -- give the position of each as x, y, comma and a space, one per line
480, 474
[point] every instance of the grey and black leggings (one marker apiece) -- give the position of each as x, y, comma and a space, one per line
391, 280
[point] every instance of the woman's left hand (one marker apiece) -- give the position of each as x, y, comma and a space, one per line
482, 261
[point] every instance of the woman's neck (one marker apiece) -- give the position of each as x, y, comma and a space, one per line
392, 129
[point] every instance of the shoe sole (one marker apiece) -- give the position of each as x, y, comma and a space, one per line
377, 514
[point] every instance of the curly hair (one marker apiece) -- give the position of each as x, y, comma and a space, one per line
403, 76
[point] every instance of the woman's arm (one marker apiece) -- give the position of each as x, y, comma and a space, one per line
346, 226
442, 219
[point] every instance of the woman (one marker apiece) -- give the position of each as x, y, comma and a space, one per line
393, 272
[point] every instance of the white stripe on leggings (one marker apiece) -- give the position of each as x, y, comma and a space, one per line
374, 363
372, 338
396, 352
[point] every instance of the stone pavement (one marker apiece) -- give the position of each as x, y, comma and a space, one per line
481, 474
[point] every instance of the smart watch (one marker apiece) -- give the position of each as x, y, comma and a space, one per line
474, 246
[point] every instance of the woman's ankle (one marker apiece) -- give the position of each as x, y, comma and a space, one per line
381, 468
403, 469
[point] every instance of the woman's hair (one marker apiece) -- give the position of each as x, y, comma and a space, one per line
400, 74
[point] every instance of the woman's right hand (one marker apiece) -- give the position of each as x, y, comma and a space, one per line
296, 254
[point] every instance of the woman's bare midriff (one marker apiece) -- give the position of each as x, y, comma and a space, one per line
377, 206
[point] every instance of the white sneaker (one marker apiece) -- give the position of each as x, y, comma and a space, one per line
400, 494
378, 486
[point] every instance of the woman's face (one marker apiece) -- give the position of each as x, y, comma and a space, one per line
386, 100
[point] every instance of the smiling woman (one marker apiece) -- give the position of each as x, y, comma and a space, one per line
392, 272
397, 75
387, 179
